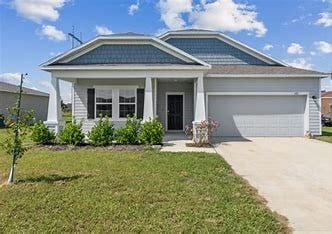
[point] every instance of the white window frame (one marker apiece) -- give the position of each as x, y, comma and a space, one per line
115, 99
126, 103
103, 103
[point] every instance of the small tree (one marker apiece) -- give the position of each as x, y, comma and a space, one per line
18, 123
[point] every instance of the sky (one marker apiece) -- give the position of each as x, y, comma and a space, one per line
298, 32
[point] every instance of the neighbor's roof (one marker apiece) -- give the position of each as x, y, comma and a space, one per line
10, 88
326, 94
254, 70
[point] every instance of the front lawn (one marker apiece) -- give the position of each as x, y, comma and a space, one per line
326, 134
141, 191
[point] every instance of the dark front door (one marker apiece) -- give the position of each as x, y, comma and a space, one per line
174, 112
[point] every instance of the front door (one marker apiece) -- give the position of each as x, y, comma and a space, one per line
174, 112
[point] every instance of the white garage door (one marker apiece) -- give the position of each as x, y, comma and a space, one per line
258, 115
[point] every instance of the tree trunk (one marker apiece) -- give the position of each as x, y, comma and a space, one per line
11, 174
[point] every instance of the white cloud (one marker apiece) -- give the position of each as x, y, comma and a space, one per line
226, 15
324, 46
313, 53
102, 30
52, 33
38, 10
295, 48
325, 19
220, 15
171, 12
133, 8
13, 78
300, 63
267, 47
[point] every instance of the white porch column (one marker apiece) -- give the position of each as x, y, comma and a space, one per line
199, 135
148, 97
54, 114
200, 103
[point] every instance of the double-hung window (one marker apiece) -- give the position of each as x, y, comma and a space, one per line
127, 102
104, 103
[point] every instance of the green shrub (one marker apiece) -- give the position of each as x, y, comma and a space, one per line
152, 132
102, 133
41, 134
72, 134
128, 134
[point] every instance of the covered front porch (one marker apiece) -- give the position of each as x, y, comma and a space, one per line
176, 98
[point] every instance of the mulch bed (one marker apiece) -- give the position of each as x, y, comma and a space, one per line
89, 147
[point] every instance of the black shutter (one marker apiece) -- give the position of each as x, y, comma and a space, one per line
91, 103
140, 103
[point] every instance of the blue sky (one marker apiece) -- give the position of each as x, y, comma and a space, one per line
32, 31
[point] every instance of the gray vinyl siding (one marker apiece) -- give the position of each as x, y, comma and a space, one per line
80, 98
310, 85
39, 104
214, 51
187, 88
126, 54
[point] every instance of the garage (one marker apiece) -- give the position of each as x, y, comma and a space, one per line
258, 115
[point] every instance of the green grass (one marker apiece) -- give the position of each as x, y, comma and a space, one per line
326, 134
144, 191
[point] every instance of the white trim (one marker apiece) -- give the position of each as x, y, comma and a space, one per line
155, 97
262, 75
101, 40
183, 111
107, 87
73, 100
120, 67
257, 93
115, 99
306, 120
224, 38
195, 93
104, 103
123, 74
123, 103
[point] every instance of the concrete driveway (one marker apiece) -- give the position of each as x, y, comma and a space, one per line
294, 175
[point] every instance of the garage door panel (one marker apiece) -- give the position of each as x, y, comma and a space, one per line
258, 115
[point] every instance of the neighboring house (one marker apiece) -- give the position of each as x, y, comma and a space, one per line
31, 100
326, 102
184, 77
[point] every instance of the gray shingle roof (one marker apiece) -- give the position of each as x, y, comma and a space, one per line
5, 87
261, 70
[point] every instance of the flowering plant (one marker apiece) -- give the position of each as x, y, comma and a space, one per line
205, 130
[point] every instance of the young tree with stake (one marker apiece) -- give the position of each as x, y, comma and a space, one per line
18, 123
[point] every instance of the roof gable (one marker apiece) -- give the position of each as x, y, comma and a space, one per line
228, 51
128, 49
214, 51
127, 54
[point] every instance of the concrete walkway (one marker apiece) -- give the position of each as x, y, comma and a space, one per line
293, 174
176, 142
